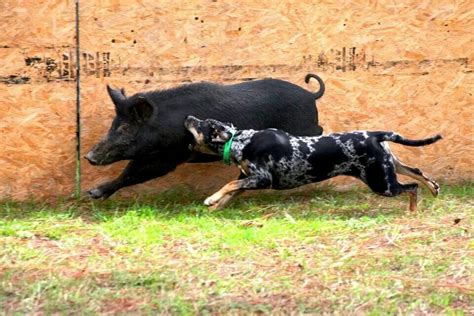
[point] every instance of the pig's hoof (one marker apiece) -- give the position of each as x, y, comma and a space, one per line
96, 194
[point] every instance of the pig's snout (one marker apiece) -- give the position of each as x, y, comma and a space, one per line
91, 159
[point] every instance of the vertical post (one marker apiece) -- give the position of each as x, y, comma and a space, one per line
78, 107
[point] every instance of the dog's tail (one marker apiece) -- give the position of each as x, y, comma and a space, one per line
396, 138
322, 87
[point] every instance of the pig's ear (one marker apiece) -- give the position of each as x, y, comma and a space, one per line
142, 110
117, 96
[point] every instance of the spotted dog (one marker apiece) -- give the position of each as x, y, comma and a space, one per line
272, 158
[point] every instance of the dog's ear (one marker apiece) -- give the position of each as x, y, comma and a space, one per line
218, 136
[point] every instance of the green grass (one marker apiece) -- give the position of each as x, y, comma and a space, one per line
312, 251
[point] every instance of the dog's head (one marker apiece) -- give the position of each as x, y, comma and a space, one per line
209, 135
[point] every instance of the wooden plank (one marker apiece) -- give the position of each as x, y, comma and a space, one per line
394, 66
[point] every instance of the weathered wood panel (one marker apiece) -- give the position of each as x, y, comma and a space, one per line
404, 66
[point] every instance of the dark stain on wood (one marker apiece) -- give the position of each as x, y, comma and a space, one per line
57, 66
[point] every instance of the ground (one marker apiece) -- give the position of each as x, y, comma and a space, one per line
312, 251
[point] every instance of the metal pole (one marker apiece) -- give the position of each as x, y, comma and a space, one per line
78, 107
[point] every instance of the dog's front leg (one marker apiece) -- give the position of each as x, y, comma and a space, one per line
224, 201
262, 180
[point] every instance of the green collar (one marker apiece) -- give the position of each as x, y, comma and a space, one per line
227, 146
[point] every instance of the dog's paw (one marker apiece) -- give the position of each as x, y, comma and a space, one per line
214, 207
437, 188
210, 201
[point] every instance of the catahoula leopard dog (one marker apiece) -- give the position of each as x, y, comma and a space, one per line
272, 158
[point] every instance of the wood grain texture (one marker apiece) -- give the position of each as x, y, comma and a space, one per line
404, 66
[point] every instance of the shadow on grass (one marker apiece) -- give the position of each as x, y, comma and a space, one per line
307, 203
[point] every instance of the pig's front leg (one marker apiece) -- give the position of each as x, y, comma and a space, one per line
137, 171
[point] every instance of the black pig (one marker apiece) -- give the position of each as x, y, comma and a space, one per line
148, 128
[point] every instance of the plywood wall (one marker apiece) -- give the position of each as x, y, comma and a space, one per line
394, 65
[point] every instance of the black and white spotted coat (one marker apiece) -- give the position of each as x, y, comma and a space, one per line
272, 158
275, 159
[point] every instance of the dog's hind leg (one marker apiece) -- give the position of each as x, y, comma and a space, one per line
417, 174
412, 190
382, 179
397, 188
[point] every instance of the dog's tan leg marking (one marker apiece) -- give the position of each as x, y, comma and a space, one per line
413, 200
244, 167
224, 201
225, 190
417, 174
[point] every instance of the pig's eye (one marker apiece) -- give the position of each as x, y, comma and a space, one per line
123, 128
